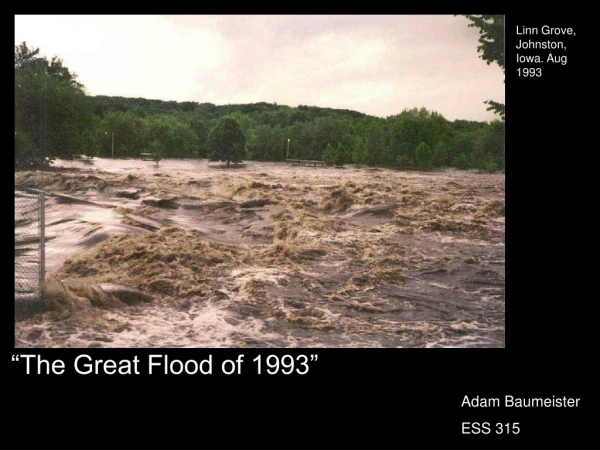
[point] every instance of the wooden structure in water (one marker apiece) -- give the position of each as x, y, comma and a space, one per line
146, 156
304, 162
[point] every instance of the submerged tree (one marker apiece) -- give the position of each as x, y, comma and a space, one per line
334, 156
226, 141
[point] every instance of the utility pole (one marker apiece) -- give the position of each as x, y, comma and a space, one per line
42, 225
288, 149
44, 123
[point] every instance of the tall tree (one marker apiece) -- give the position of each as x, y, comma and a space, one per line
26, 57
491, 46
52, 113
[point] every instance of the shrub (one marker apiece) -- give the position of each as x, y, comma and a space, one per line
462, 161
424, 156
156, 150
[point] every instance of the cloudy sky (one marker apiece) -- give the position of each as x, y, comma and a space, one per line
378, 65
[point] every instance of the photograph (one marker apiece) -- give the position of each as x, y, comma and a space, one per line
259, 181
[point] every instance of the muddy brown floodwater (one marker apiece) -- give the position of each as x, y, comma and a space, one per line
268, 255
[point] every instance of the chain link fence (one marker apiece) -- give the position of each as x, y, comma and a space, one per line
29, 253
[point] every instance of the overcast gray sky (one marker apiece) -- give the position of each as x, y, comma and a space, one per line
378, 65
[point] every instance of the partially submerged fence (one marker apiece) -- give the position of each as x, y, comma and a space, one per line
29, 253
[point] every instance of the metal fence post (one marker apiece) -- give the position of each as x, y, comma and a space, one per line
42, 224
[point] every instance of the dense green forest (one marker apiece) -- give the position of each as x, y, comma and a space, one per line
54, 118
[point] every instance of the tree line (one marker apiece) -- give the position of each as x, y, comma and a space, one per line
55, 118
